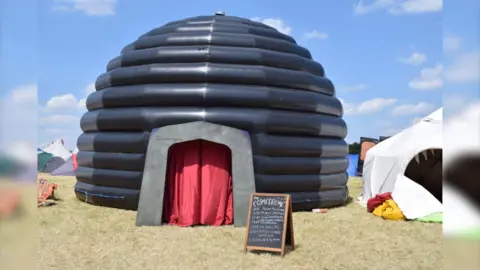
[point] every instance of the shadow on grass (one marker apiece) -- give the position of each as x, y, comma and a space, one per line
56, 199
349, 200
288, 250
48, 203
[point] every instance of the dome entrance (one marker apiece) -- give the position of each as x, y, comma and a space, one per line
198, 184
167, 143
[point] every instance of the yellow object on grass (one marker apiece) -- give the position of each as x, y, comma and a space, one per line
389, 210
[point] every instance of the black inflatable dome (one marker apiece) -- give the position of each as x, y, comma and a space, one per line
223, 70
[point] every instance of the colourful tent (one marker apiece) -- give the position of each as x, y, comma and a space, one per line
60, 156
53, 164
74, 159
352, 164
67, 169
9, 166
58, 150
42, 159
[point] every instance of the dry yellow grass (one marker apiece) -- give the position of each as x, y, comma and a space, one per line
75, 235
18, 234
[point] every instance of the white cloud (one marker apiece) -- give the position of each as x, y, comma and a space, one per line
315, 35
89, 7
56, 125
82, 103
367, 107
465, 68
22, 151
66, 126
59, 119
66, 101
61, 116
348, 108
276, 23
25, 94
69, 101
375, 105
451, 43
418, 108
21, 101
89, 89
429, 78
361, 8
418, 6
398, 6
415, 59
18, 117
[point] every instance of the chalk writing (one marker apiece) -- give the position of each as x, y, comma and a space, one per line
266, 221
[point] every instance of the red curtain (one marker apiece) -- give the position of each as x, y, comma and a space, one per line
198, 187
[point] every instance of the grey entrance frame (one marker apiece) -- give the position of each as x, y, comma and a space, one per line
150, 205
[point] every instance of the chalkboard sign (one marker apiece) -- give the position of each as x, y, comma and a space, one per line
270, 224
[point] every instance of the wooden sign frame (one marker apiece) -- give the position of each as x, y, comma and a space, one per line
287, 224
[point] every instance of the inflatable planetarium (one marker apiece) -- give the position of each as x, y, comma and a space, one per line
195, 116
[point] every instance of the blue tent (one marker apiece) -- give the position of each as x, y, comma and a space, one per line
352, 164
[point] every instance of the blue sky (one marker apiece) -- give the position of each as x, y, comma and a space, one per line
386, 57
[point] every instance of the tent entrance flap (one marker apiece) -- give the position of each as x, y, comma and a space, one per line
425, 168
198, 184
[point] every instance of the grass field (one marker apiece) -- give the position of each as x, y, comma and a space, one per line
75, 235
18, 235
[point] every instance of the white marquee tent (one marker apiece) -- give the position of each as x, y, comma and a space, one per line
462, 132
387, 164
57, 149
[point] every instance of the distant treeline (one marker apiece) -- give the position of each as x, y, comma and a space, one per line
354, 148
